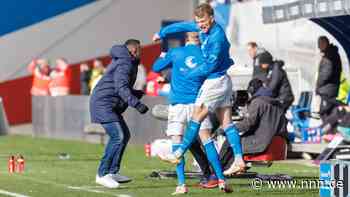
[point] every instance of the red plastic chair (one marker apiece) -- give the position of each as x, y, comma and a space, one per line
277, 150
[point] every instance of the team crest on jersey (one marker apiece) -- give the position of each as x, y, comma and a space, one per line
189, 62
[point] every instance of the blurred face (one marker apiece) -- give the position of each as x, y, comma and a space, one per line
264, 66
322, 45
134, 50
45, 69
192, 37
204, 23
251, 51
61, 63
84, 67
173, 43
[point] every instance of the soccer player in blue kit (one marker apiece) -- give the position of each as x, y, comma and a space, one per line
215, 94
183, 94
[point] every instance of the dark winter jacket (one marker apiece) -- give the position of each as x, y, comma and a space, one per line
264, 119
277, 80
113, 93
329, 72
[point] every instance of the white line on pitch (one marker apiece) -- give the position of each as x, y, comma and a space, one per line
11, 194
67, 186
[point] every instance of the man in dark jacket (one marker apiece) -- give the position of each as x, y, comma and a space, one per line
275, 78
109, 99
263, 120
328, 81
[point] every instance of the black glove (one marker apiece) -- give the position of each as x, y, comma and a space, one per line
142, 108
138, 93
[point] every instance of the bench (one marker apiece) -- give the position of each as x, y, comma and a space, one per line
95, 129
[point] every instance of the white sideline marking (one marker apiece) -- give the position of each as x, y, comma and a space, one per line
85, 189
11, 194
92, 189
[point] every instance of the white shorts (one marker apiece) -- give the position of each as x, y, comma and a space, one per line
178, 117
215, 93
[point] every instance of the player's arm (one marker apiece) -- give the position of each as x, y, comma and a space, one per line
175, 28
163, 62
276, 77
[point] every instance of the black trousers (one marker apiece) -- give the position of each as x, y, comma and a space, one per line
199, 155
326, 107
226, 155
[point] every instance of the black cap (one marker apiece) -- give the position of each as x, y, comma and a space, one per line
265, 58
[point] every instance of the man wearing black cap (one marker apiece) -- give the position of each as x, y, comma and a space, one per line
275, 78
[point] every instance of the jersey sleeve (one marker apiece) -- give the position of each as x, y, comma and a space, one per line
178, 27
163, 62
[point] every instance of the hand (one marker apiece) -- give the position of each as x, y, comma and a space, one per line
138, 93
156, 38
142, 108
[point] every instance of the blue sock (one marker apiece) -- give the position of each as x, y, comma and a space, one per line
191, 134
180, 167
213, 158
232, 135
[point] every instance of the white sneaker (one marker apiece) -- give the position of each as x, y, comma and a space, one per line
181, 189
107, 181
235, 169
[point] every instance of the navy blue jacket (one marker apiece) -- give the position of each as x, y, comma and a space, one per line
113, 93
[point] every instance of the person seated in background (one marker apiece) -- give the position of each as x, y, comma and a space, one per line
264, 119
344, 122
96, 73
337, 121
40, 70
85, 75
254, 52
59, 85
276, 78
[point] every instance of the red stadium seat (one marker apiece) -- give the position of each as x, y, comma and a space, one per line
277, 150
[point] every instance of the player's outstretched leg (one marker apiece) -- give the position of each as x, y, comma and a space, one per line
180, 172
232, 135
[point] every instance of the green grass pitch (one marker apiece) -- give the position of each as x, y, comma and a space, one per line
46, 175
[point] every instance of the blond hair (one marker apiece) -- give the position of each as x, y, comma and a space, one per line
203, 10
